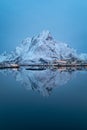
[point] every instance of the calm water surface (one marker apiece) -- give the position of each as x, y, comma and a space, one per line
43, 100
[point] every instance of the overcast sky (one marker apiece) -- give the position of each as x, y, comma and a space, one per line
65, 19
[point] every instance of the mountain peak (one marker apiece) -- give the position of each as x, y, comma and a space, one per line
41, 48
45, 35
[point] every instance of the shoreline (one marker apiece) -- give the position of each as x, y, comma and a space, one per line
42, 66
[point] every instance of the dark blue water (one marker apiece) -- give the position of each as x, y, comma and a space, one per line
43, 100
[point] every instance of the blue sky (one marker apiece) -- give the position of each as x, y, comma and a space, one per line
65, 19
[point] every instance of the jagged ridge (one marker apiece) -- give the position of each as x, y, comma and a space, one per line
41, 49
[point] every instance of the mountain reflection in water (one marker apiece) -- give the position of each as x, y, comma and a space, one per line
41, 81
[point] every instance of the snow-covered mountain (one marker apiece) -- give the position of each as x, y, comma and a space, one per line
41, 49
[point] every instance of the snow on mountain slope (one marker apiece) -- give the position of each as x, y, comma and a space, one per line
44, 48
41, 48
